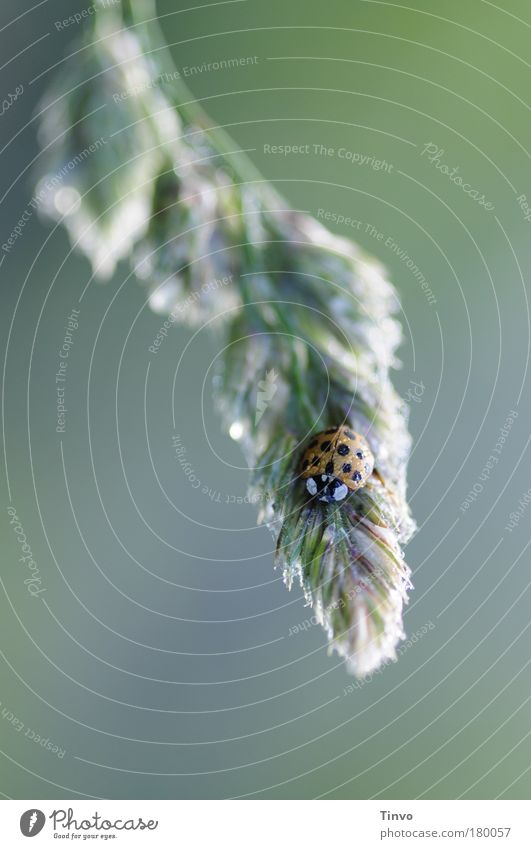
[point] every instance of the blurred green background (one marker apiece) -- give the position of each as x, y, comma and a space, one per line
159, 659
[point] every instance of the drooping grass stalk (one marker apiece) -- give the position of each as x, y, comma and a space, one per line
306, 314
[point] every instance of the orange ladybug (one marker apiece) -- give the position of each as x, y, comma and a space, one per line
336, 462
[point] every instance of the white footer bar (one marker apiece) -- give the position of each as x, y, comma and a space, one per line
266, 824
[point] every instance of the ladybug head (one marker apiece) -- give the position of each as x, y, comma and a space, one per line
327, 488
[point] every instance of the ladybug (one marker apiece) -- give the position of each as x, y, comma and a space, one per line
336, 462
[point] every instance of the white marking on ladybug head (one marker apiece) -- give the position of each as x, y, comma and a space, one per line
340, 492
311, 486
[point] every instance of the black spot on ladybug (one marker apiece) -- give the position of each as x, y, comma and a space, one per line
343, 449
325, 446
350, 434
359, 454
305, 464
329, 469
315, 461
347, 468
356, 477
